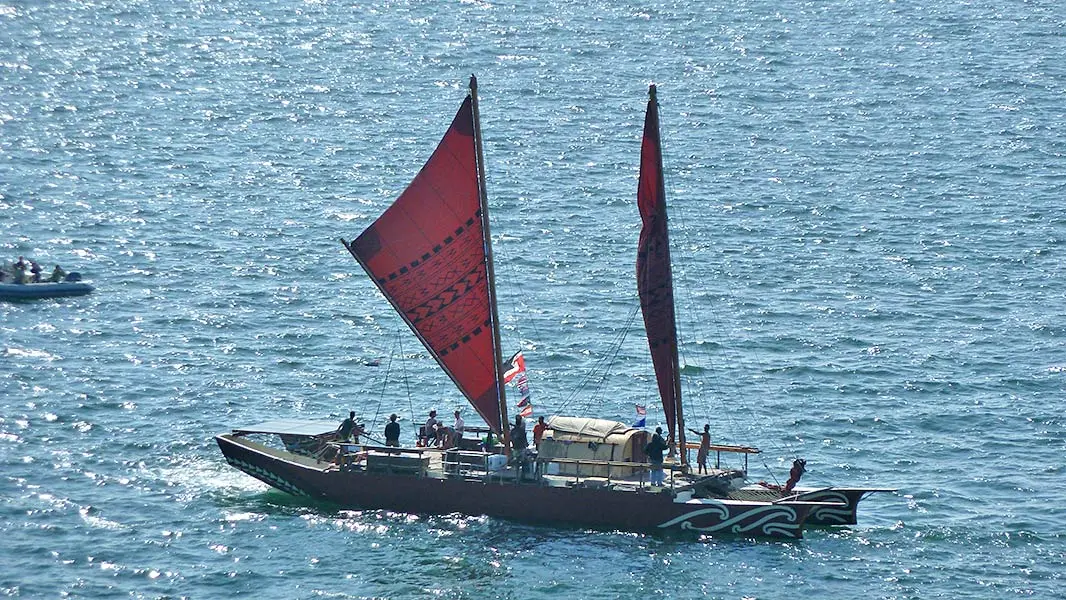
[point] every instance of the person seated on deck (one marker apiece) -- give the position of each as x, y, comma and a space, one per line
489, 443
35, 271
444, 436
19, 270
392, 432
58, 274
429, 430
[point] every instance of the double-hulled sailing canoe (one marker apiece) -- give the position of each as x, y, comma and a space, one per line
430, 254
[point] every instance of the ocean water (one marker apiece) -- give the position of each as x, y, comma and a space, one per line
868, 233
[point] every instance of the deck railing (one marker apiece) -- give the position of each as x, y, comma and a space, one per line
453, 462
602, 469
718, 449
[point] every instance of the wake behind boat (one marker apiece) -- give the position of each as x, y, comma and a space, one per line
430, 255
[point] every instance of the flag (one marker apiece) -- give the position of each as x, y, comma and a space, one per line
522, 385
642, 416
525, 407
516, 375
518, 365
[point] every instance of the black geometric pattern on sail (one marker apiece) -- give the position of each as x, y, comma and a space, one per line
456, 292
372, 244
485, 327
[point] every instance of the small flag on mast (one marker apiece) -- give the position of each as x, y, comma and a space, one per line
525, 407
518, 365
517, 375
642, 416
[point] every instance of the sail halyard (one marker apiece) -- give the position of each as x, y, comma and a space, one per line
428, 255
654, 275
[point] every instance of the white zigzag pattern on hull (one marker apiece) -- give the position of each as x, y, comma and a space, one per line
776, 520
266, 476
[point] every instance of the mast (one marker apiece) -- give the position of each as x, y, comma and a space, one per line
678, 408
490, 270
659, 207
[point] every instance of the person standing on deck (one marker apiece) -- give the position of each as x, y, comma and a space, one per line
538, 432
654, 450
518, 434
457, 430
392, 432
344, 432
705, 448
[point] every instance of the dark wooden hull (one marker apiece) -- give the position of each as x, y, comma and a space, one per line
599, 508
842, 505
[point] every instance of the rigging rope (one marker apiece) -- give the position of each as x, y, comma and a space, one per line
612, 358
716, 374
407, 386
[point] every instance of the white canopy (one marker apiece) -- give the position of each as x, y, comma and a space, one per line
580, 428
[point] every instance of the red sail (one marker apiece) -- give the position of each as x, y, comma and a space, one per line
654, 279
427, 254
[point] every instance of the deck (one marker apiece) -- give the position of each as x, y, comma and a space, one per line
480, 466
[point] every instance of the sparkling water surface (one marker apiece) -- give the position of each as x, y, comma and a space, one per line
867, 225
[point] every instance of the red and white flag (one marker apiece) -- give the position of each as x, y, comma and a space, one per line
517, 375
642, 416
525, 407
518, 365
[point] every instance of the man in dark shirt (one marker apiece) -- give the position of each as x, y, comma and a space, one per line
392, 432
518, 434
344, 432
654, 450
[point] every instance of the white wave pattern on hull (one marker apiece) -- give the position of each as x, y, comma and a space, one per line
775, 521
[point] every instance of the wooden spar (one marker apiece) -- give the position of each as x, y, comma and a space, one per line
489, 270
